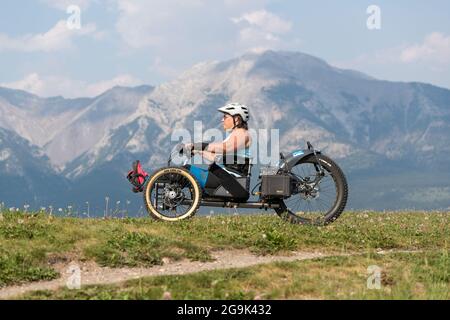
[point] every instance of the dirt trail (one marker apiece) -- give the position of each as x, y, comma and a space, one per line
92, 274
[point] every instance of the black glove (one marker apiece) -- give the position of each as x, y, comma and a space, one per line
184, 150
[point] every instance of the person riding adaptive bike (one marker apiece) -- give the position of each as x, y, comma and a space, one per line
230, 158
305, 187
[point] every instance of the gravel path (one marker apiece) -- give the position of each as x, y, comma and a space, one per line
92, 274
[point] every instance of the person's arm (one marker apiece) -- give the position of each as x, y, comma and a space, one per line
237, 140
211, 156
199, 146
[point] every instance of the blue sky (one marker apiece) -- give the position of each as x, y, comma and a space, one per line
131, 42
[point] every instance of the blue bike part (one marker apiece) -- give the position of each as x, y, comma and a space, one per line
298, 153
200, 174
293, 158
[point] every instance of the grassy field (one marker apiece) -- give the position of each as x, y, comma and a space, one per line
31, 243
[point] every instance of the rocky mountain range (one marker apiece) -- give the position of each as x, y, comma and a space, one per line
391, 138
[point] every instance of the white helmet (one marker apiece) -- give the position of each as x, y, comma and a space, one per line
236, 109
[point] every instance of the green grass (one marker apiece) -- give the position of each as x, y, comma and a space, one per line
17, 267
30, 244
403, 276
132, 248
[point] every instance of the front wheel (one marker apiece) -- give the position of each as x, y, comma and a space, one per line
317, 199
172, 194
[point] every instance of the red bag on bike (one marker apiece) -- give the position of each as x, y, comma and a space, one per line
137, 177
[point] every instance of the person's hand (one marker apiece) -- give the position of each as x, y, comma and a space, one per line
186, 149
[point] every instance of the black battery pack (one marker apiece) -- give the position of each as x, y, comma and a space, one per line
275, 186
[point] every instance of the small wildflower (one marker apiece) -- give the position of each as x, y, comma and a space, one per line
167, 295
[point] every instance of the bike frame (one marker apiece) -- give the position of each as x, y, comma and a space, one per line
285, 165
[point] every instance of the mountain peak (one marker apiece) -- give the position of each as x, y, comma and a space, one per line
274, 64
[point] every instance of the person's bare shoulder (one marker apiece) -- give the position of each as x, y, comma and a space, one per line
240, 131
242, 135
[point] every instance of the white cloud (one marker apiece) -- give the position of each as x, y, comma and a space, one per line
261, 30
202, 24
265, 21
46, 86
31, 83
59, 37
433, 52
435, 48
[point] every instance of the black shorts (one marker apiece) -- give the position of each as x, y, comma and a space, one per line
219, 177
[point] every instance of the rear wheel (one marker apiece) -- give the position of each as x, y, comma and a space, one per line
172, 194
317, 199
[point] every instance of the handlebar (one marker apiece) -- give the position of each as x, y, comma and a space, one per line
183, 150
180, 150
